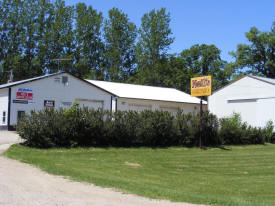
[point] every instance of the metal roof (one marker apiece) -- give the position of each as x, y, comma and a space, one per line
264, 79
45, 76
27, 80
268, 80
146, 92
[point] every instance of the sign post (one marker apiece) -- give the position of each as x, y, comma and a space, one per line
201, 86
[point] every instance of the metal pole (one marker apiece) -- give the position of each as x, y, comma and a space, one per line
201, 123
58, 62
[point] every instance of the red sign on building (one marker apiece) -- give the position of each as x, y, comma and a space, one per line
23, 93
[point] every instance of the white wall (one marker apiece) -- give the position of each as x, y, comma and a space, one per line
4, 99
125, 104
266, 110
50, 89
253, 99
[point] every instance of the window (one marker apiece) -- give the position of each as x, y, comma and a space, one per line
4, 117
20, 114
65, 80
241, 100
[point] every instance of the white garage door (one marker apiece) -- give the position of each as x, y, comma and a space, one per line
170, 109
93, 104
139, 107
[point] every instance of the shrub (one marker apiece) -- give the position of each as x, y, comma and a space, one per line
156, 128
234, 131
210, 128
43, 129
188, 127
269, 132
86, 127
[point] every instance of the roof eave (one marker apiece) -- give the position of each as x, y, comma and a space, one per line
205, 103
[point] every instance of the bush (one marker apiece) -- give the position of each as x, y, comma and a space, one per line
234, 131
86, 127
269, 132
43, 129
188, 127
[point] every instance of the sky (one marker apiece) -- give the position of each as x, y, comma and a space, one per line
219, 22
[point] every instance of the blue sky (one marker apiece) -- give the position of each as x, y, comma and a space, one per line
219, 22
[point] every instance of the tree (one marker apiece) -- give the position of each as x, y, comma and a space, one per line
154, 41
89, 46
11, 36
120, 35
43, 34
258, 57
31, 13
197, 61
59, 38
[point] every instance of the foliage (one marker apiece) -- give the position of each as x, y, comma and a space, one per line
35, 33
154, 41
87, 127
234, 131
206, 60
84, 127
269, 131
88, 54
198, 60
259, 55
120, 35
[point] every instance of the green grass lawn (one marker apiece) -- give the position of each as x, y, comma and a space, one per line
243, 175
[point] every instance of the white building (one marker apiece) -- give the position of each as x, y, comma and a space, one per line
252, 97
60, 90
139, 97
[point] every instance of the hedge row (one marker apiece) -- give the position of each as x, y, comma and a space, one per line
85, 127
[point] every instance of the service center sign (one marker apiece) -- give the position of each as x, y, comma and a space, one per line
49, 103
24, 94
201, 86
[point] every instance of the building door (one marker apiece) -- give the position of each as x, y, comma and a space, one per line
20, 114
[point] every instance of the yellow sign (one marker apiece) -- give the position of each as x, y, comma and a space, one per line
201, 86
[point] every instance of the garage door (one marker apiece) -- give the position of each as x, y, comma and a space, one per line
139, 107
90, 103
170, 109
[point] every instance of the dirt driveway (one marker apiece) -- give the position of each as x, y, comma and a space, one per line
22, 184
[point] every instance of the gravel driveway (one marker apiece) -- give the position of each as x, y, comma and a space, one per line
8, 138
25, 185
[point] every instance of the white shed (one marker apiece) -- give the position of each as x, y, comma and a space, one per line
140, 97
57, 90
251, 96
60, 90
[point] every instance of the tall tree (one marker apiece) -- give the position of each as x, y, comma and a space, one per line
258, 57
60, 38
89, 46
120, 35
43, 34
30, 12
11, 37
154, 42
197, 61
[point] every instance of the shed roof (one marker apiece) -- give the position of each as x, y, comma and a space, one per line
267, 80
263, 79
11, 84
146, 92
46, 76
